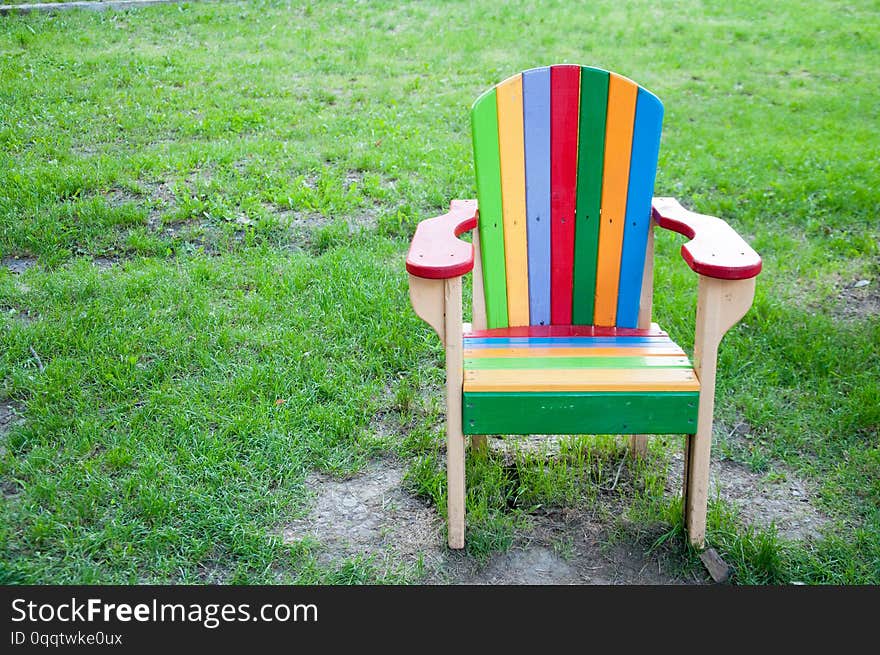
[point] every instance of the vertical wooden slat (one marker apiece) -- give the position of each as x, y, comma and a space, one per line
564, 100
591, 159
484, 122
642, 171
646, 302
536, 133
618, 144
478, 296
513, 198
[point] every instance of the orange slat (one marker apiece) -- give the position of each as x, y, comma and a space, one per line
622, 95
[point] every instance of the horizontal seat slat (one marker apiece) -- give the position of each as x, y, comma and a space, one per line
595, 379
532, 363
579, 413
665, 351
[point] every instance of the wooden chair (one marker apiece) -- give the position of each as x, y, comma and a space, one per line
561, 339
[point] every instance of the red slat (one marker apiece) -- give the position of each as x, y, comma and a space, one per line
564, 98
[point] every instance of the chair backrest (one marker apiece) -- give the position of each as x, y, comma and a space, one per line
565, 160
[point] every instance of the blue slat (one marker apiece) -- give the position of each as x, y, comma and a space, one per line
536, 124
642, 171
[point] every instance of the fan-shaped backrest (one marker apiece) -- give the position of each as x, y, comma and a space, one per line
565, 159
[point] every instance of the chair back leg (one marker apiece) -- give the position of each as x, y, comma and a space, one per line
638, 445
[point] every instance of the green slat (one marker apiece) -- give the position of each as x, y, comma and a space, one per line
580, 413
484, 123
543, 363
591, 157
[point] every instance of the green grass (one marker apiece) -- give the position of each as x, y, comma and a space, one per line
255, 171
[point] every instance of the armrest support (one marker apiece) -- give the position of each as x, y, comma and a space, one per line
436, 252
715, 249
721, 303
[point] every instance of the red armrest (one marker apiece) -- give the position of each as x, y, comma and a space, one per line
715, 248
436, 252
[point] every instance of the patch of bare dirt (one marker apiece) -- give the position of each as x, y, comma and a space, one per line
213, 573
158, 195
18, 264
366, 219
564, 548
760, 501
194, 230
859, 299
531, 566
299, 221
372, 514
302, 225
387, 423
104, 263
117, 196
399, 412
162, 192
369, 514
10, 414
24, 316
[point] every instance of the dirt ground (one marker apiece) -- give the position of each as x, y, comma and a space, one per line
10, 414
372, 514
858, 299
18, 265
786, 502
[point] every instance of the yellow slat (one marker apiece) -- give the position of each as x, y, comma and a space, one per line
513, 198
596, 379
672, 350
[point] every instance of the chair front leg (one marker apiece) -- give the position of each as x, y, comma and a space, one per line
438, 302
455, 480
720, 305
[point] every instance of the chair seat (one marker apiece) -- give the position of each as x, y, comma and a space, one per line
577, 380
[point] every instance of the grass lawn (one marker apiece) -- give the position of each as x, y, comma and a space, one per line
210, 205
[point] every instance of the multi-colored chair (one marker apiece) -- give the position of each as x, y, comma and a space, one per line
561, 339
